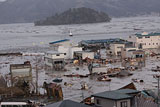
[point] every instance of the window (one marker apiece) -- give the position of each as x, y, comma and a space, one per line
153, 43
64, 53
147, 37
157, 43
98, 102
124, 104
149, 44
140, 37
57, 54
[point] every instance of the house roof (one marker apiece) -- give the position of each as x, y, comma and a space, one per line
59, 41
150, 34
112, 40
116, 94
67, 103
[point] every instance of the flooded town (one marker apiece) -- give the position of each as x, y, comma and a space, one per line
67, 66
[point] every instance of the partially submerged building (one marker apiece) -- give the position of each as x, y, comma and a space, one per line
146, 40
115, 49
133, 57
21, 72
65, 46
83, 55
54, 60
102, 43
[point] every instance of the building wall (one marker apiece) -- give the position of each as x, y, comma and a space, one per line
99, 70
74, 49
55, 56
114, 48
127, 100
69, 51
104, 102
146, 41
88, 54
126, 53
21, 72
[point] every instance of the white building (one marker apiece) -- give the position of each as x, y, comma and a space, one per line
21, 72
83, 55
146, 40
54, 60
115, 49
64, 46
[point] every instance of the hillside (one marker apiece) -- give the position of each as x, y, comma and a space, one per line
75, 16
16, 11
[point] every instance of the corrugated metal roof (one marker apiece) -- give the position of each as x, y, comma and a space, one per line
59, 41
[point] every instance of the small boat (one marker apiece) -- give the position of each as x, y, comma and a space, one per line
70, 33
103, 78
57, 80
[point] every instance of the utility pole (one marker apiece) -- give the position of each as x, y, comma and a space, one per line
36, 76
158, 93
158, 78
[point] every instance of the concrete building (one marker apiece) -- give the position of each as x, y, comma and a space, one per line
116, 98
115, 49
146, 40
64, 46
81, 55
21, 72
133, 57
54, 60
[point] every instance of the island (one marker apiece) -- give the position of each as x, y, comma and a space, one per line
75, 16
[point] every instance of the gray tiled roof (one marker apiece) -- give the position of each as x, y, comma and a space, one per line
67, 103
116, 94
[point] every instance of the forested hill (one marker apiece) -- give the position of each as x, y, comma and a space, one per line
75, 16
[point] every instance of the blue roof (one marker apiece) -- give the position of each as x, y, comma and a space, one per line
112, 40
59, 41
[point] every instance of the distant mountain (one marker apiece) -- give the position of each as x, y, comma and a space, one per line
12, 11
76, 16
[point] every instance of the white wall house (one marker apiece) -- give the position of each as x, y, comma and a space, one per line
115, 49
83, 55
54, 60
65, 46
146, 40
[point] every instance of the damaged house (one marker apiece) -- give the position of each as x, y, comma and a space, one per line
21, 72
54, 60
133, 57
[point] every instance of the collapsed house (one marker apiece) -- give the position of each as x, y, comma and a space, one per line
54, 60
133, 57
83, 55
21, 73
54, 91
